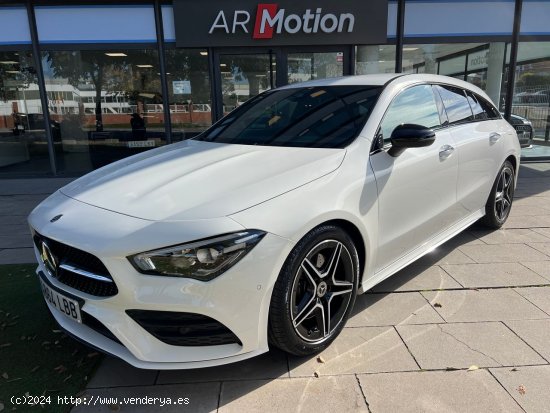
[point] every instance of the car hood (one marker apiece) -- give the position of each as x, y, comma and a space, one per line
198, 180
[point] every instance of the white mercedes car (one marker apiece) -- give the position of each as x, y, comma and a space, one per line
262, 230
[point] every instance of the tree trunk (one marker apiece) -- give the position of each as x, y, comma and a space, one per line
253, 86
98, 112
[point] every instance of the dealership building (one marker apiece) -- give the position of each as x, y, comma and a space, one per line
83, 84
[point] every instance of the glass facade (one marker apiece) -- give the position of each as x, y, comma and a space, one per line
189, 93
532, 88
104, 105
104, 88
23, 142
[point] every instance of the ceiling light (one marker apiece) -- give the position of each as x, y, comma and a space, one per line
116, 54
9, 62
204, 53
144, 66
223, 65
410, 49
13, 72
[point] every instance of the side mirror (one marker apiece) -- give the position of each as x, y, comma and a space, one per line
410, 136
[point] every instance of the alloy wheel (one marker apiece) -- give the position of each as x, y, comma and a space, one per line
322, 291
504, 194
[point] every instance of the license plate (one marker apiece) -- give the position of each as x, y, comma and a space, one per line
141, 144
65, 305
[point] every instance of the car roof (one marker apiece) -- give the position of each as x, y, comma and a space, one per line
395, 79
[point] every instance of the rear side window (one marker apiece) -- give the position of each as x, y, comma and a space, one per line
456, 104
488, 108
415, 105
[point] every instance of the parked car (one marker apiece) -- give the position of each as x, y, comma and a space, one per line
262, 230
524, 130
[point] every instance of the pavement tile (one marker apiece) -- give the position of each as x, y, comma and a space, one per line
324, 394
202, 398
33, 185
494, 275
418, 278
511, 236
445, 255
270, 365
467, 237
525, 221
483, 305
358, 350
114, 372
461, 345
523, 210
542, 268
536, 333
436, 391
17, 239
543, 247
14, 205
535, 201
17, 256
533, 395
11, 223
392, 309
502, 253
543, 231
540, 296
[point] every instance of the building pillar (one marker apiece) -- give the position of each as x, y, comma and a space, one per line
494, 71
367, 60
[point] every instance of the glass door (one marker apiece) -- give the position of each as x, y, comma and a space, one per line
243, 76
304, 66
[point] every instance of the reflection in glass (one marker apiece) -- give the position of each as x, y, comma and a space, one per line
106, 105
415, 105
311, 66
532, 92
23, 143
374, 59
320, 117
478, 63
245, 76
188, 92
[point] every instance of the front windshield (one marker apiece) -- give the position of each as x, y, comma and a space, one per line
315, 117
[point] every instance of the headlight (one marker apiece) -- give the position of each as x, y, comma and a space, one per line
202, 260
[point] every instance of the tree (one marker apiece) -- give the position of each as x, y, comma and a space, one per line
105, 73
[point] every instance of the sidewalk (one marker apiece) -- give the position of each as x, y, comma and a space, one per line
482, 299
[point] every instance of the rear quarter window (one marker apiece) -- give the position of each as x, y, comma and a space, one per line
456, 104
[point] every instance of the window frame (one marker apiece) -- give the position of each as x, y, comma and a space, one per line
375, 148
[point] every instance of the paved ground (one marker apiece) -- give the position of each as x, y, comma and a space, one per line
467, 328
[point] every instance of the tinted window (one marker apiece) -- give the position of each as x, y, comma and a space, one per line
455, 102
477, 109
481, 108
414, 105
321, 117
488, 108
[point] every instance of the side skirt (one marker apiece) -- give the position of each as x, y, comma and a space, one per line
420, 251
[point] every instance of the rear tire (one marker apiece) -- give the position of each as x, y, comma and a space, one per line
500, 200
315, 292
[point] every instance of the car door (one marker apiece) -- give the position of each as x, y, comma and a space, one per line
417, 189
476, 139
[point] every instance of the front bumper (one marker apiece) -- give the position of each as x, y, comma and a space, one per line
239, 298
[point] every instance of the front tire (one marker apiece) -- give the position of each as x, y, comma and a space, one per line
315, 292
500, 200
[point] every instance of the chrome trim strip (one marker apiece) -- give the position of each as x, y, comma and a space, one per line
85, 273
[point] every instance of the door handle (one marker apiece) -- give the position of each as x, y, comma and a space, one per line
494, 137
445, 151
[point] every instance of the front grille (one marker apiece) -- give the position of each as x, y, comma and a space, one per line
523, 128
184, 329
82, 260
